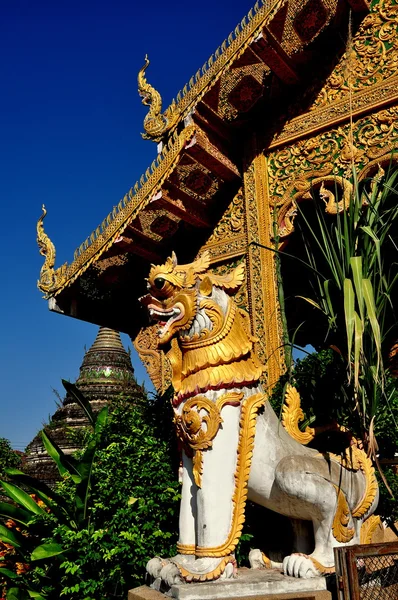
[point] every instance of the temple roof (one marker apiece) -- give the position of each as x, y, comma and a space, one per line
198, 169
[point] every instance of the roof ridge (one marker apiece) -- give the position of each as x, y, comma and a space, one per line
52, 280
209, 73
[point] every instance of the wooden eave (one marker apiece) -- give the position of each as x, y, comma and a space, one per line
182, 194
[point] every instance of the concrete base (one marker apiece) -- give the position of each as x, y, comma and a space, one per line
267, 584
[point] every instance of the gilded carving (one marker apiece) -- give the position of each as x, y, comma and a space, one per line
341, 531
50, 279
153, 358
330, 156
371, 56
158, 224
229, 51
292, 414
156, 123
369, 529
197, 430
365, 79
228, 238
262, 290
231, 223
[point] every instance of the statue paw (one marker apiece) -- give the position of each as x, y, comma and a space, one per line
155, 565
170, 574
300, 565
258, 560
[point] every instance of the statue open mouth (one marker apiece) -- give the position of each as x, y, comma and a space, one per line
165, 317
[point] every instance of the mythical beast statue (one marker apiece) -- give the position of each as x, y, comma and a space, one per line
232, 451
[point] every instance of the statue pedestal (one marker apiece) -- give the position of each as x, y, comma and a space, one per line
267, 584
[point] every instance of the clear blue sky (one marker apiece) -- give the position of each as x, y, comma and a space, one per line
70, 123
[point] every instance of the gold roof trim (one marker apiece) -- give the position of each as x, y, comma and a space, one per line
200, 83
51, 281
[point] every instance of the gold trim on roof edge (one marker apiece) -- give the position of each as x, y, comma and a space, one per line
52, 282
231, 49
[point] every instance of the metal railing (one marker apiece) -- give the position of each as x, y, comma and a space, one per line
367, 572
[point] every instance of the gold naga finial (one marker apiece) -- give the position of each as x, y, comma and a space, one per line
49, 278
156, 124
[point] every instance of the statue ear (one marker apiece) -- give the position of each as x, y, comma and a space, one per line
206, 286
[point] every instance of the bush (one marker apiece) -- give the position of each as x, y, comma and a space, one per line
8, 456
115, 508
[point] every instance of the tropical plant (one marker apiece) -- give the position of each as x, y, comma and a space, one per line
351, 263
131, 510
37, 512
8, 456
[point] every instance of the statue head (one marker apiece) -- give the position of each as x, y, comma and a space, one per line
176, 293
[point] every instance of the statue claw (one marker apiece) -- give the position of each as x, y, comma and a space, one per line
170, 574
155, 566
300, 565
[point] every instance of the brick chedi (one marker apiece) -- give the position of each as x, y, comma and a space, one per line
106, 374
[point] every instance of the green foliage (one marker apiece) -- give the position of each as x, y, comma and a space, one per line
115, 508
351, 260
322, 383
8, 457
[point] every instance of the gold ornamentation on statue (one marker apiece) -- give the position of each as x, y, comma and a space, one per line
185, 548
249, 411
292, 414
212, 575
321, 568
153, 358
341, 532
218, 353
50, 279
368, 529
197, 430
355, 458
156, 124
266, 561
223, 356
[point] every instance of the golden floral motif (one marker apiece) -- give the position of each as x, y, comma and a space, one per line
330, 155
341, 532
231, 223
371, 57
369, 528
198, 424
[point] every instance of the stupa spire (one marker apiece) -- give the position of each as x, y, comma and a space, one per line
106, 374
